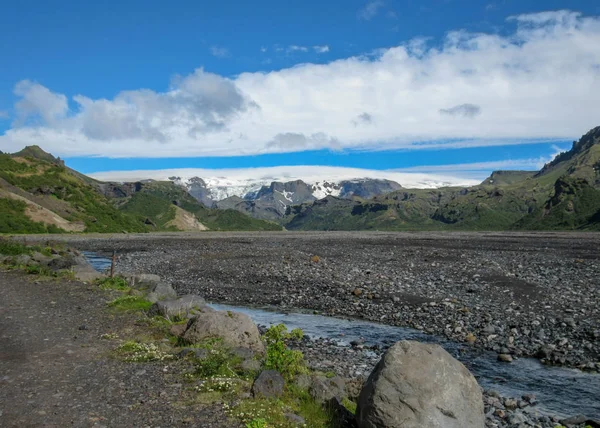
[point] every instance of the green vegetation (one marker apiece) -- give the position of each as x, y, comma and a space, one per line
117, 283
13, 248
257, 423
155, 201
14, 220
130, 304
272, 412
575, 205
544, 200
145, 205
286, 361
46, 180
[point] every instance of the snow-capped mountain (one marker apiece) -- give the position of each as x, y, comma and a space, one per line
267, 192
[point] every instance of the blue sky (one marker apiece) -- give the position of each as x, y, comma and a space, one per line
375, 84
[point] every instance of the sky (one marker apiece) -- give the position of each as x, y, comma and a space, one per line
453, 87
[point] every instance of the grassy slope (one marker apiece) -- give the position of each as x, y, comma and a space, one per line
155, 201
575, 205
14, 220
54, 181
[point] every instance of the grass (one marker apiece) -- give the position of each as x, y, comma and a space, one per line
117, 283
130, 304
14, 220
273, 411
13, 248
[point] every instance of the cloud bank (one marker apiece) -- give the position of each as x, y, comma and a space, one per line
472, 89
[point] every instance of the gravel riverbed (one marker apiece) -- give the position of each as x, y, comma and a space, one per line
519, 295
516, 294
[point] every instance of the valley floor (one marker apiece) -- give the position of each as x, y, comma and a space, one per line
521, 294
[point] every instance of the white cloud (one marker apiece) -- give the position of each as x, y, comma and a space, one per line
321, 49
219, 52
307, 173
531, 164
370, 10
296, 48
537, 84
38, 103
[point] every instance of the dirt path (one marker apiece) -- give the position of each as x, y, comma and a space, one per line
55, 369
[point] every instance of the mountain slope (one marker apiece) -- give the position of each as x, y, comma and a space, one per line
563, 195
574, 205
162, 201
39, 194
46, 182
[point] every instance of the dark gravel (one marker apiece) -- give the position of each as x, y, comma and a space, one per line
56, 369
517, 294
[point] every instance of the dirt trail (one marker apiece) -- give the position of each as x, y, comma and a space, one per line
55, 369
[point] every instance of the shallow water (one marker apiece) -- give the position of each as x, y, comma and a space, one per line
560, 391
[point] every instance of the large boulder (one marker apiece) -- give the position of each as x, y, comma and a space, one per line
418, 385
182, 307
234, 328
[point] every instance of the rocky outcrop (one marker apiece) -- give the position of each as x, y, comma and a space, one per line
233, 328
417, 385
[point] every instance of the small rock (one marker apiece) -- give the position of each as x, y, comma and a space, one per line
268, 384
505, 358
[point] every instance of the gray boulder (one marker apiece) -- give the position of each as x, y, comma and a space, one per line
85, 272
161, 291
138, 280
234, 328
323, 389
182, 307
417, 385
268, 384
60, 263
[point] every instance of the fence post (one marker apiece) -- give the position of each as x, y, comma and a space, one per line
112, 265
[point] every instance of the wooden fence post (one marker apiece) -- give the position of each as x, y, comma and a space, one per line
112, 265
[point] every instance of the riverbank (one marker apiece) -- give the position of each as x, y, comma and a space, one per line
519, 295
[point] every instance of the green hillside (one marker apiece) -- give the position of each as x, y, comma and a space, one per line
575, 205
563, 195
39, 194
157, 200
53, 187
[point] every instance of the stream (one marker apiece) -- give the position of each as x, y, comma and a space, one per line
560, 391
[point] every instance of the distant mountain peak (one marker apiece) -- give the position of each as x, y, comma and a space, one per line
37, 152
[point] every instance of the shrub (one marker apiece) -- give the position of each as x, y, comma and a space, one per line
257, 423
286, 361
12, 248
